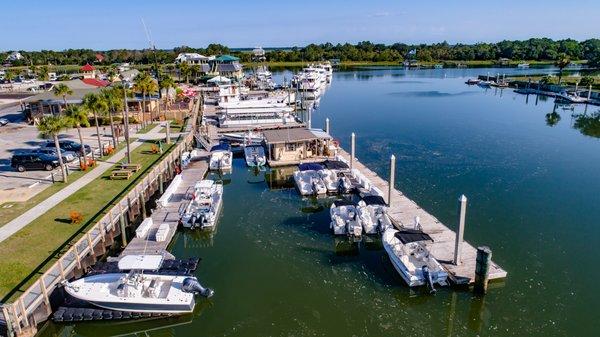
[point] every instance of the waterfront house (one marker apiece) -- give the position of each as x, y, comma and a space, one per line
14, 56
195, 59
226, 65
291, 146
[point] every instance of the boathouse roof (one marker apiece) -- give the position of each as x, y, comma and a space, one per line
289, 135
227, 58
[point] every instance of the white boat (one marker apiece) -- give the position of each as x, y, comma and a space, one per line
523, 65
372, 212
573, 97
342, 172
204, 208
438, 66
344, 219
248, 137
140, 289
221, 157
255, 155
410, 257
330, 179
308, 180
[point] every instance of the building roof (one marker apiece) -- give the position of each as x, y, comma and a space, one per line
229, 67
288, 135
227, 58
219, 79
48, 97
99, 57
87, 67
95, 82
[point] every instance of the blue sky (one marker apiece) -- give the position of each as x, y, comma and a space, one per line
111, 24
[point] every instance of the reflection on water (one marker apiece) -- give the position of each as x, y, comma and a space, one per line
278, 271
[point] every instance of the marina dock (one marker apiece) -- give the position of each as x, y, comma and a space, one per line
168, 213
403, 212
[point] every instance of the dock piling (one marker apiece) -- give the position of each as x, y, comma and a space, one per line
462, 212
353, 144
589, 92
327, 125
168, 133
392, 179
482, 269
123, 232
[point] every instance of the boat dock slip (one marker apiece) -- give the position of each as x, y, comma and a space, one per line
156, 232
403, 212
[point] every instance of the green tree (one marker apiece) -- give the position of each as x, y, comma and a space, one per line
167, 83
562, 61
77, 116
42, 73
51, 126
97, 105
112, 98
145, 84
586, 81
184, 70
62, 90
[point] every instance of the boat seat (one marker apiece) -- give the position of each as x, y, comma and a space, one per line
409, 265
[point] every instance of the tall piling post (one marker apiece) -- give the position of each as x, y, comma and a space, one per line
168, 132
143, 205
482, 269
161, 183
327, 125
352, 150
462, 213
589, 92
123, 232
392, 179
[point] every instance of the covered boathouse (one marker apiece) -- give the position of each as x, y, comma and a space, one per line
292, 146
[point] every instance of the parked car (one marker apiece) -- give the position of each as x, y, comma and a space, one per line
69, 145
67, 156
32, 161
3, 121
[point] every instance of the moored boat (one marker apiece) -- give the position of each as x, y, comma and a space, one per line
204, 207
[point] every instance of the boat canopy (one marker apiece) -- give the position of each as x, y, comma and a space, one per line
374, 200
221, 147
310, 166
343, 202
336, 165
412, 235
141, 262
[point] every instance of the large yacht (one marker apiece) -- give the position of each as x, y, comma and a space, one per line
139, 289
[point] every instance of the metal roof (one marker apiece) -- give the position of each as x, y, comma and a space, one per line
288, 135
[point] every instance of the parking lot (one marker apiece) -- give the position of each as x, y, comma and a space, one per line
18, 136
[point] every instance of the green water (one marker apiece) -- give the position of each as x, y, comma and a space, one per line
533, 196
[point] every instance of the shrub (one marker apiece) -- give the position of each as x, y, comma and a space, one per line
76, 217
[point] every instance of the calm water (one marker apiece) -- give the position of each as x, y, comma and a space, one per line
533, 196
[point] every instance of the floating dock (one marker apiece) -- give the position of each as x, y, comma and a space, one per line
167, 212
403, 212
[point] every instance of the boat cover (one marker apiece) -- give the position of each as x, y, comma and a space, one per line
336, 165
412, 235
343, 202
374, 200
221, 147
310, 166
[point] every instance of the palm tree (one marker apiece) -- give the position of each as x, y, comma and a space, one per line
184, 70
96, 104
51, 126
111, 73
43, 73
114, 102
78, 117
62, 90
167, 83
562, 61
196, 70
9, 76
145, 85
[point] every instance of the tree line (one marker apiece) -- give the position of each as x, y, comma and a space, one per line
539, 49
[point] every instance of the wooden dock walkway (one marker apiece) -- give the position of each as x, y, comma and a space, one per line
169, 213
403, 212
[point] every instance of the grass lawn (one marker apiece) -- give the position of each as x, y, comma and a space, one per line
566, 80
26, 250
18, 208
146, 129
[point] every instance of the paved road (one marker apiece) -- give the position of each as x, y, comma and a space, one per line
24, 219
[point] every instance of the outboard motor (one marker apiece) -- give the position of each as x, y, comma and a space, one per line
192, 221
428, 279
191, 285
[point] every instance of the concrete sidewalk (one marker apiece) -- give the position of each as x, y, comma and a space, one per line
26, 218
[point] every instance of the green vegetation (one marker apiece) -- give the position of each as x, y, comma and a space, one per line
582, 81
23, 252
51, 126
538, 49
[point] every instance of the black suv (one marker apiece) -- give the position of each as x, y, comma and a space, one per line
32, 161
69, 145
